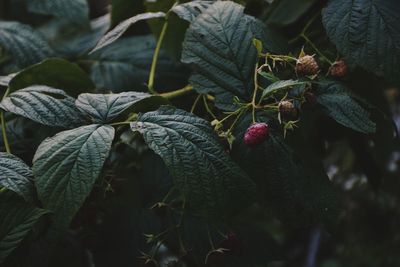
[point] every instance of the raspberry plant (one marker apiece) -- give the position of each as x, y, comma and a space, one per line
183, 121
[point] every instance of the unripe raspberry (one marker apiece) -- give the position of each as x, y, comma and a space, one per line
338, 69
307, 65
287, 110
256, 134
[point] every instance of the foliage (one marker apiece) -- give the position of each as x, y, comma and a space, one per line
126, 129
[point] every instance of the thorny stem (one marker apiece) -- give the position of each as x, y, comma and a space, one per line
253, 101
3, 126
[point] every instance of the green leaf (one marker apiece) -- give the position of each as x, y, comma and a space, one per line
73, 11
23, 43
299, 194
45, 105
17, 218
367, 33
103, 108
117, 32
16, 176
189, 11
280, 85
67, 165
125, 64
57, 73
212, 184
219, 46
340, 106
286, 12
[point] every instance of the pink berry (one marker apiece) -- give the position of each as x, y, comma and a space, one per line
256, 134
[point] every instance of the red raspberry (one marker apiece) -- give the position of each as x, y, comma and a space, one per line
307, 65
338, 69
256, 134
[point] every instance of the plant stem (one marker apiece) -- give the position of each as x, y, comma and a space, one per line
3, 125
253, 101
179, 92
155, 57
195, 103
208, 108
315, 48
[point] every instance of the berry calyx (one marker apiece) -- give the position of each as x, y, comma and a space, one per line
338, 69
287, 110
307, 65
256, 134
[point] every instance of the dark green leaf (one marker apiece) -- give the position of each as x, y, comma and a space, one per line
45, 105
280, 85
23, 43
57, 73
286, 12
219, 45
124, 9
340, 106
189, 11
73, 11
67, 165
16, 176
125, 65
117, 32
212, 184
103, 108
17, 219
367, 33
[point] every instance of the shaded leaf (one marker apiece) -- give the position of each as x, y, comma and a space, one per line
125, 65
23, 43
286, 12
55, 72
367, 33
73, 11
340, 106
45, 105
17, 218
212, 184
67, 165
117, 32
103, 108
280, 85
16, 176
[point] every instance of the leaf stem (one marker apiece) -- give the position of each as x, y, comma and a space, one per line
253, 101
3, 125
195, 103
208, 108
316, 49
185, 90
